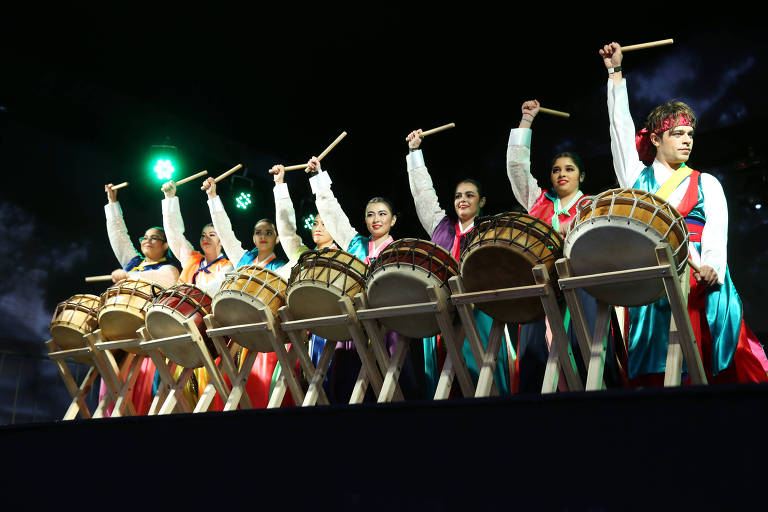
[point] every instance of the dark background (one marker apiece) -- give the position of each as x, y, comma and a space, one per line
85, 93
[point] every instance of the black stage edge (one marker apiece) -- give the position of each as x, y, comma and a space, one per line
661, 449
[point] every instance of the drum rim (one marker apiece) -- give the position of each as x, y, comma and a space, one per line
399, 246
173, 289
542, 232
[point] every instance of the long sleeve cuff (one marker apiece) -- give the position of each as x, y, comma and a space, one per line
170, 205
520, 137
415, 159
319, 181
215, 204
113, 210
281, 191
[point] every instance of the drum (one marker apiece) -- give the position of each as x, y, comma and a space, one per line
167, 314
619, 230
243, 292
123, 307
500, 253
401, 274
74, 318
318, 280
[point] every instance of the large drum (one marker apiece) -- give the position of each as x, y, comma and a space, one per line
166, 317
73, 319
619, 230
318, 280
500, 253
123, 308
401, 274
243, 293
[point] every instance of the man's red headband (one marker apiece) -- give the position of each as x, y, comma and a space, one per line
645, 149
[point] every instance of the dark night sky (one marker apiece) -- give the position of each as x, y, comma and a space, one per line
85, 93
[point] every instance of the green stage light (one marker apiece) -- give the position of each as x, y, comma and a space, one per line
243, 201
163, 161
309, 222
164, 169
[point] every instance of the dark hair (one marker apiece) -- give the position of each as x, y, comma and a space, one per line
670, 109
573, 156
210, 224
270, 221
386, 201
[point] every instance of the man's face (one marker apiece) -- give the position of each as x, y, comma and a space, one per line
674, 146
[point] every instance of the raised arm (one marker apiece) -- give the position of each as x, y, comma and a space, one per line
626, 161
336, 222
285, 217
222, 225
174, 225
116, 229
423, 191
524, 186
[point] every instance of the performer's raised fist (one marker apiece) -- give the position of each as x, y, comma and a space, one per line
611, 54
279, 172
111, 194
530, 109
414, 139
209, 185
169, 189
313, 165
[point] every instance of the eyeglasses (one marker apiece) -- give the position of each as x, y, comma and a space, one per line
152, 239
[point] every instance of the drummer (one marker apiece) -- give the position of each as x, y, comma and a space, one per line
450, 233
263, 255
556, 207
155, 263
380, 218
206, 270
655, 160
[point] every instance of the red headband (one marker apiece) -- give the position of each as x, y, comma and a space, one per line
645, 149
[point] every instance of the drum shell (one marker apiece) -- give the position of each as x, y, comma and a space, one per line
319, 279
619, 230
73, 319
242, 294
123, 308
500, 253
401, 274
167, 314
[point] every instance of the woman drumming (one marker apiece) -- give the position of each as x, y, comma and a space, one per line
379, 219
449, 234
206, 270
154, 263
556, 207
263, 255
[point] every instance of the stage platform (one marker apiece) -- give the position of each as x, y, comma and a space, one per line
661, 449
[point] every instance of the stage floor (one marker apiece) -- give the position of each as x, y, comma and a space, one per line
614, 450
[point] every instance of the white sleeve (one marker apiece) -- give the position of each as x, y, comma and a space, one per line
223, 227
336, 222
714, 237
285, 218
174, 230
118, 234
423, 191
626, 161
524, 186
166, 276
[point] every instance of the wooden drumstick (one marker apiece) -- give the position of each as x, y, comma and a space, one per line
553, 112
643, 46
190, 178
327, 150
693, 266
93, 279
295, 167
120, 185
224, 175
438, 129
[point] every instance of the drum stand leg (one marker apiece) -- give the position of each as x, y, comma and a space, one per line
390, 366
278, 339
237, 394
315, 375
78, 393
118, 380
361, 344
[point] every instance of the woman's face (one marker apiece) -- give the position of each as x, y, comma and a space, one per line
210, 242
153, 244
379, 219
565, 176
265, 237
320, 235
467, 201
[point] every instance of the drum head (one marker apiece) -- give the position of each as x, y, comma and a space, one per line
600, 245
307, 299
493, 267
396, 287
236, 308
166, 322
118, 324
